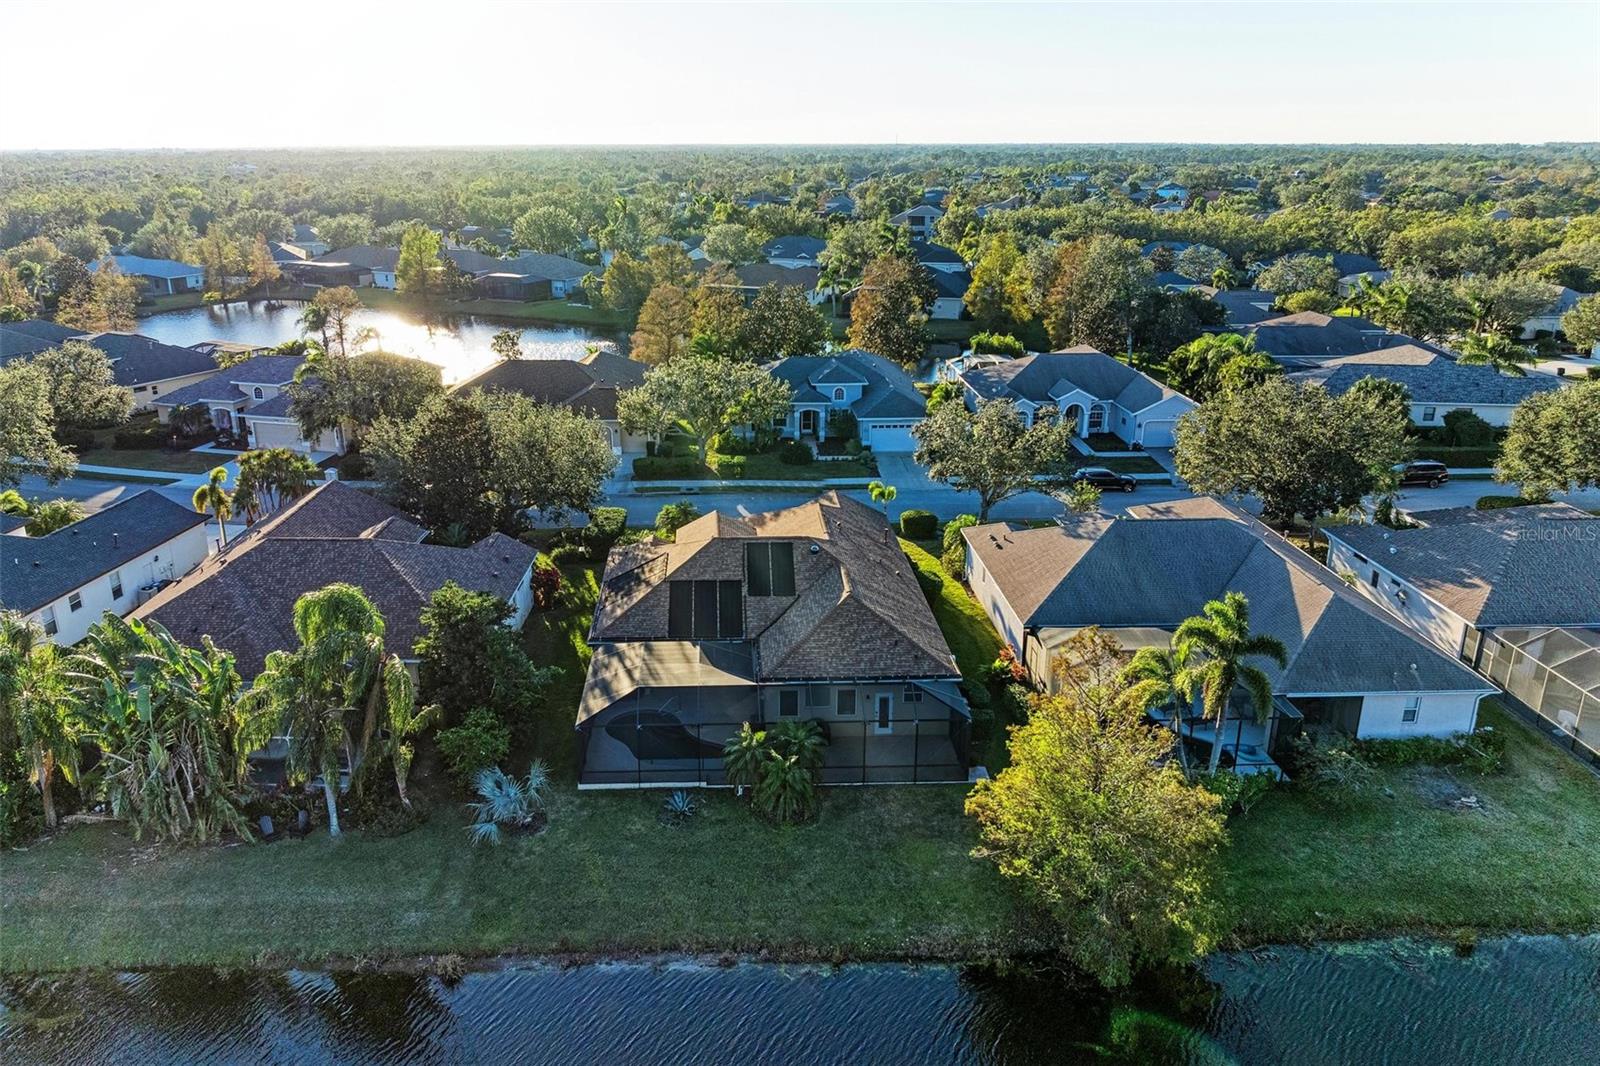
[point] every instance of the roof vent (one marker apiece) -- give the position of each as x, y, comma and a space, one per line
815, 548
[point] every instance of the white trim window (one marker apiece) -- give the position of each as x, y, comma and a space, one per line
116, 584
47, 618
1412, 710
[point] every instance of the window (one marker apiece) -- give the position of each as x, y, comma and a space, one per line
769, 568
838, 394
1428, 413
75, 602
116, 584
1413, 705
912, 694
705, 610
259, 393
788, 703
155, 390
816, 695
48, 617
845, 702
1374, 578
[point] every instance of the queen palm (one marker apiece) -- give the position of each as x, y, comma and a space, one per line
403, 720
213, 498
314, 319
1493, 350
883, 494
36, 708
1221, 635
1156, 678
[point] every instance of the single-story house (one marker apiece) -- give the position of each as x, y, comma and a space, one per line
359, 266
1437, 383
1349, 283
243, 597
1346, 263
529, 276
936, 257
1172, 281
753, 277
920, 220
839, 204
161, 277
793, 251
950, 293
1514, 593
1310, 338
1149, 248
761, 199
1172, 190
148, 367
1010, 203
881, 396
110, 561
283, 252
808, 613
306, 236
1091, 390
251, 399
589, 385
1246, 307
1350, 666
1549, 320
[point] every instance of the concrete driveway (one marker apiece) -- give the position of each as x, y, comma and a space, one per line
904, 474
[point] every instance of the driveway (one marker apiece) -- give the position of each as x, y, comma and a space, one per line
904, 474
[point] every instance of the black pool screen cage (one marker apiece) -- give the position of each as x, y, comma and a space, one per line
1555, 674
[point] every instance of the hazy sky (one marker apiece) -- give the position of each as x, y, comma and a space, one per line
132, 75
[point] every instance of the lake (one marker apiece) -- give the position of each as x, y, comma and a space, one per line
1514, 1000
457, 343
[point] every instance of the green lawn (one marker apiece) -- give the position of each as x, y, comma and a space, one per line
1398, 857
152, 459
768, 467
540, 310
1126, 464
182, 301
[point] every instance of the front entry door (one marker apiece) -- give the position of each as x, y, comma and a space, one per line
808, 422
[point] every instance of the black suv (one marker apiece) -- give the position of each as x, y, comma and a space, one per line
1104, 479
1429, 472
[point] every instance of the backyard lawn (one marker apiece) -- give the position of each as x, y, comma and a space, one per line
537, 311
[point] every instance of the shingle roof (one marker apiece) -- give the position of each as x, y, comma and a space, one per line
590, 384
950, 284
1246, 307
760, 275
919, 211
244, 597
259, 370
1345, 263
1430, 377
928, 252
794, 247
888, 391
138, 360
35, 335
1156, 572
154, 268
858, 611
365, 256
1518, 566
1043, 378
1314, 336
39, 570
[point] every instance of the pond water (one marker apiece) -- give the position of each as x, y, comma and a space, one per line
1514, 1000
457, 343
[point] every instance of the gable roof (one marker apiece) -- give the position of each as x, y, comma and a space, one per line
258, 370
1517, 566
1314, 336
153, 268
590, 384
928, 252
243, 598
950, 284
1246, 307
1044, 377
794, 247
35, 335
1155, 572
919, 211
40, 570
1429, 377
857, 612
364, 256
887, 390
137, 359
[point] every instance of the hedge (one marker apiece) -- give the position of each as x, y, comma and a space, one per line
608, 522
1460, 458
1500, 503
919, 525
729, 467
793, 453
648, 468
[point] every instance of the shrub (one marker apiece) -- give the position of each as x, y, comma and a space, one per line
79, 440
673, 517
1460, 458
843, 425
1482, 751
608, 522
795, 453
954, 561
1007, 668
480, 741
1464, 429
997, 344
1500, 503
21, 810
919, 525
953, 528
546, 583
566, 555
942, 394
146, 436
1336, 767
730, 443
1238, 792
729, 467
688, 468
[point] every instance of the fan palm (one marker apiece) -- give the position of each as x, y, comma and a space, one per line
36, 707
1221, 634
1494, 350
1156, 678
212, 498
506, 801
802, 740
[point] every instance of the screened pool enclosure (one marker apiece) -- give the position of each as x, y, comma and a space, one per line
1555, 673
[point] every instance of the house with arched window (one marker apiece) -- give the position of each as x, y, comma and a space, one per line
250, 401
881, 400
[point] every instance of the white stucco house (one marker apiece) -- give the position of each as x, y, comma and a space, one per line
147, 367
1436, 383
160, 277
920, 220
1350, 667
1549, 320
110, 561
881, 396
1086, 387
251, 399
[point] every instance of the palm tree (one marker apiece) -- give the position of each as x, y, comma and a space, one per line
313, 690
314, 319
403, 720
1222, 635
742, 755
883, 494
36, 706
1156, 679
1494, 350
508, 801
787, 789
801, 739
212, 498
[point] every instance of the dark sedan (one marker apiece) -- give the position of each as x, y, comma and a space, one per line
1104, 480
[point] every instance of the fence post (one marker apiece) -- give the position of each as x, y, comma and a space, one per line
916, 748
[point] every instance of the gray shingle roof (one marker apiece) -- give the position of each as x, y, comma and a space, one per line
244, 597
365, 256
1518, 566
259, 370
1246, 307
18, 339
888, 392
1036, 378
858, 611
39, 570
590, 384
928, 252
1430, 377
154, 268
794, 247
1156, 572
1314, 336
138, 360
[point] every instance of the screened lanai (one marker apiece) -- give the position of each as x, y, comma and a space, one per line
1555, 673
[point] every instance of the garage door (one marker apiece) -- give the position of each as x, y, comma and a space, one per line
890, 437
1157, 434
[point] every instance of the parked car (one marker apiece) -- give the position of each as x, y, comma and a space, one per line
1429, 472
1104, 479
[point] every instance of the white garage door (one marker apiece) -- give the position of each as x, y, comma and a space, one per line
1157, 434
890, 437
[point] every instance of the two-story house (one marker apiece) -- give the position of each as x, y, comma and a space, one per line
881, 396
251, 400
811, 612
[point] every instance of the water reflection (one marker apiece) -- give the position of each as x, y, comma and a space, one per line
457, 343
1515, 1000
